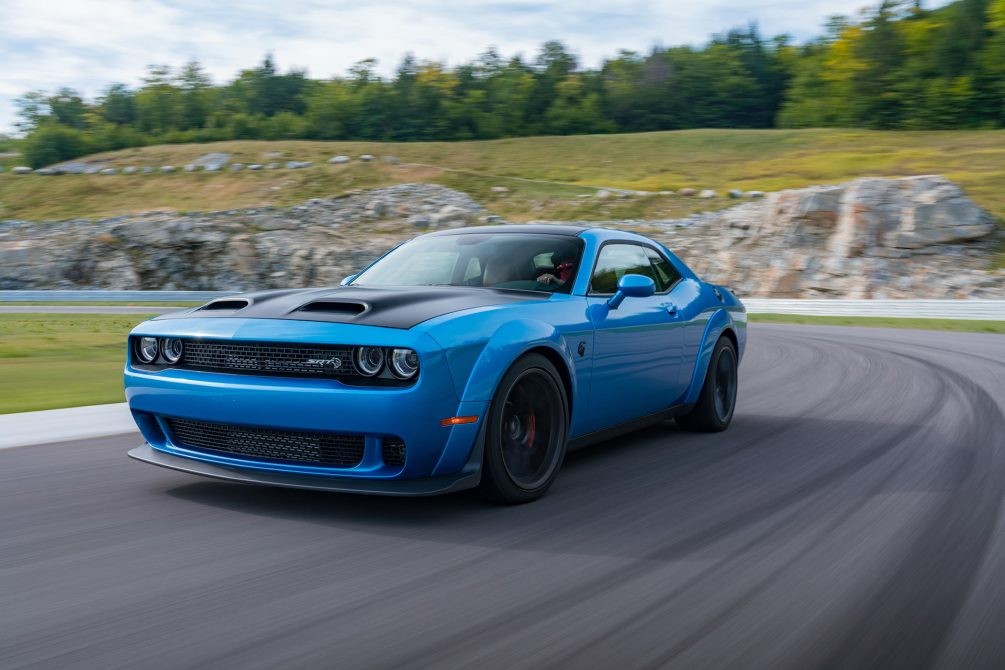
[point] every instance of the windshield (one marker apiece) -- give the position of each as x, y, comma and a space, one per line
534, 262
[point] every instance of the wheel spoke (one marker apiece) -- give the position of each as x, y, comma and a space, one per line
530, 429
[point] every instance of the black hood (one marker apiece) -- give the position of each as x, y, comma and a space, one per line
402, 307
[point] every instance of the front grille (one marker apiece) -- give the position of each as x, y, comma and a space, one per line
332, 449
393, 451
300, 360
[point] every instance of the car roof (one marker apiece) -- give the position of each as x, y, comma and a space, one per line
599, 234
547, 229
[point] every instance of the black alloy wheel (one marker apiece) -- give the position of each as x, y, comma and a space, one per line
527, 432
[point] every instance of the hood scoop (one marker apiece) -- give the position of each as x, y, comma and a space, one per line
334, 307
225, 304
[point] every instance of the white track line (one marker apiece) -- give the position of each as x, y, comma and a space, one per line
60, 425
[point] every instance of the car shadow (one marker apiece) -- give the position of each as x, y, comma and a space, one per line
662, 479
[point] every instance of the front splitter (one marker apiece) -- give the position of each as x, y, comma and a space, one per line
401, 487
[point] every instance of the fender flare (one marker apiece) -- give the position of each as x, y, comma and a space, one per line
717, 324
509, 342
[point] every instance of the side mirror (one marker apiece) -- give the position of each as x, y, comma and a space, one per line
347, 280
632, 286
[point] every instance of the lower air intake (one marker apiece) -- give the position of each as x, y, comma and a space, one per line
394, 451
331, 449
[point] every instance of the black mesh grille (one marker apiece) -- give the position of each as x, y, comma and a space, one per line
394, 451
279, 445
268, 358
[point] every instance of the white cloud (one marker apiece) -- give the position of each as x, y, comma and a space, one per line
87, 44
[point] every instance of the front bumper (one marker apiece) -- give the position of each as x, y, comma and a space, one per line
411, 414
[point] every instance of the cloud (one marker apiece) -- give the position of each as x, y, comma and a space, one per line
87, 44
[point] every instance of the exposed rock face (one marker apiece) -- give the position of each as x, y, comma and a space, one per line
313, 244
918, 237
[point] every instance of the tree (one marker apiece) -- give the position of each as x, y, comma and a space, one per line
195, 93
118, 105
32, 109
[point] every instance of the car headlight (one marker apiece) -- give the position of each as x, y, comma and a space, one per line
369, 360
171, 349
404, 363
146, 349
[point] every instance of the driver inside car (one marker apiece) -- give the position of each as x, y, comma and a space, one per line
565, 268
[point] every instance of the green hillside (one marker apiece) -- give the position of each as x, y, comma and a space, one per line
547, 177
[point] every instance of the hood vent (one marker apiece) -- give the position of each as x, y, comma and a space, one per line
334, 307
219, 305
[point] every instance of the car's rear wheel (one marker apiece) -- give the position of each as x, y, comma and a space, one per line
527, 430
714, 410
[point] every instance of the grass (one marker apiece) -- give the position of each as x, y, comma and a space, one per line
89, 303
546, 176
49, 361
956, 325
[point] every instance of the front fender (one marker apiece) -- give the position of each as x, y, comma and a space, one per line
507, 343
510, 341
720, 320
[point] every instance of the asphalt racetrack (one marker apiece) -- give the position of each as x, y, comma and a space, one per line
851, 517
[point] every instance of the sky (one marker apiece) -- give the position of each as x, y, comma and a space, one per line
87, 44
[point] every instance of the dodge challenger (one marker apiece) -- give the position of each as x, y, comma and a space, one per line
474, 357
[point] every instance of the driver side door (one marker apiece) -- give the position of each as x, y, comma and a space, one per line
638, 347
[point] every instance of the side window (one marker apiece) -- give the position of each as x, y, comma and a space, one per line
666, 274
616, 261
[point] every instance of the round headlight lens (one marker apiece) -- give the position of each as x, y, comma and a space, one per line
369, 360
171, 350
404, 363
146, 349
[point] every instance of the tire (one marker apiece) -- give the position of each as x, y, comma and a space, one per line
527, 432
714, 410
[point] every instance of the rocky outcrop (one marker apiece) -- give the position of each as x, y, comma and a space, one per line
918, 237
313, 244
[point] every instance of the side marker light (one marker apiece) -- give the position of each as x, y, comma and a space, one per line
458, 420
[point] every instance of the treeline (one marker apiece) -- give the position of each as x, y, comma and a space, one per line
897, 65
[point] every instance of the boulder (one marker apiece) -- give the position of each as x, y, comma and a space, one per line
129, 169
366, 158
21, 169
687, 191
167, 168
708, 193
255, 166
499, 189
109, 170
391, 160
338, 160
272, 166
191, 167
376, 209
236, 167
212, 162
735, 194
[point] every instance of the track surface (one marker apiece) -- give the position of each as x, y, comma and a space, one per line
851, 517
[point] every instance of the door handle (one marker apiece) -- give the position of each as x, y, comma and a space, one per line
670, 308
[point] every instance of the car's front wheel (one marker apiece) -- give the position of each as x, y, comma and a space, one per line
527, 430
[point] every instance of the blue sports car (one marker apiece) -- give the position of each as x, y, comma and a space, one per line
463, 358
